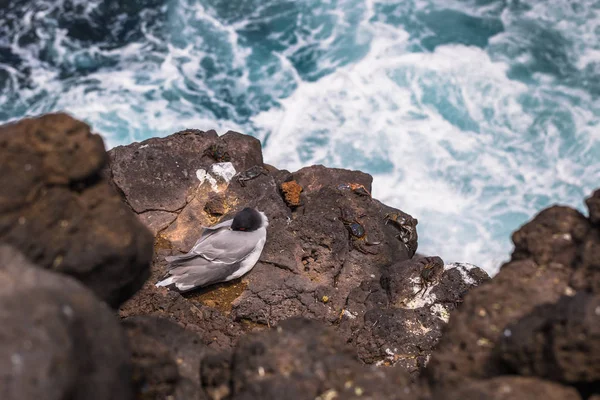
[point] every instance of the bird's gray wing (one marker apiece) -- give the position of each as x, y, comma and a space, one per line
227, 246
206, 233
224, 224
200, 272
211, 230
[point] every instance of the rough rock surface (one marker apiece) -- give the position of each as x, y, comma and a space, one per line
334, 255
57, 340
559, 342
511, 388
593, 203
171, 164
301, 359
166, 359
537, 316
58, 210
329, 242
398, 319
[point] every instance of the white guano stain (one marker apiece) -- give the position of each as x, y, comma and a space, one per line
219, 172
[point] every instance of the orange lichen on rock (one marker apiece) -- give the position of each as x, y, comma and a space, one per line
291, 193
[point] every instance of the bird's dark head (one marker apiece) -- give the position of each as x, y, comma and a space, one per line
248, 220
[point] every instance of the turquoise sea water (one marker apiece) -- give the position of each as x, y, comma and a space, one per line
471, 115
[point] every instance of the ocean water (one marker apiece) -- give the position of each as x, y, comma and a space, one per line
471, 115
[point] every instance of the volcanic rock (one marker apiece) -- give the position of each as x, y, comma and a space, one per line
301, 359
58, 340
516, 323
509, 388
552, 236
398, 319
57, 209
558, 342
166, 359
593, 204
317, 252
171, 165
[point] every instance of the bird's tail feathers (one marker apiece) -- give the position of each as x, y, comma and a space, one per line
175, 279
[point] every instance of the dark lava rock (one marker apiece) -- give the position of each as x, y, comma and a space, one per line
214, 328
466, 348
511, 388
170, 164
559, 342
593, 204
300, 359
512, 324
57, 209
552, 236
57, 340
166, 359
398, 320
587, 275
319, 250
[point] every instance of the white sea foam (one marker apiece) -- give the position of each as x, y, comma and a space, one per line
472, 141
450, 138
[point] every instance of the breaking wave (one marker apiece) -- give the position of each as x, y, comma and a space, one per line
471, 115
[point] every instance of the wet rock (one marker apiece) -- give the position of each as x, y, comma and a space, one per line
593, 204
509, 388
559, 342
58, 210
166, 358
301, 359
58, 340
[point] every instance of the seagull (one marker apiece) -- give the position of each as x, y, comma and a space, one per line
224, 252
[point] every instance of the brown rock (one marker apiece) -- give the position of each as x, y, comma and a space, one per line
466, 349
58, 340
552, 236
509, 388
587, 275
56, 208
316, 177
166, 358
157, 221
399, 320
214, 328
216, 205
300, 360
593, 204
160, 173
155, 372
559, 342
311, 264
